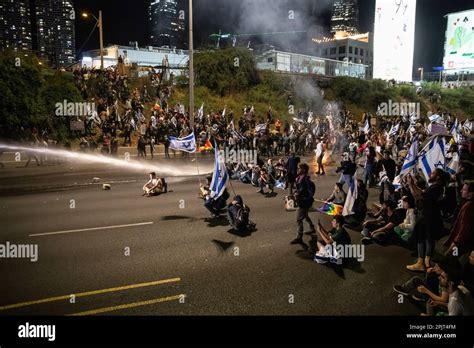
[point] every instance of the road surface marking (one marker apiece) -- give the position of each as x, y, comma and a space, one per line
127, 306
90, 229
89, 293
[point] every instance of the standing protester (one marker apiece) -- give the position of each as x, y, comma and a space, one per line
292, 170
320, 152
305, 190
429, 220
388, 166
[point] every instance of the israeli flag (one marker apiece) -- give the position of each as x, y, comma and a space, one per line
201, 112
453, 165
261, 128
411, 160
433, 157
351, 197
456, 132
187, 144
220, 176
435, 118
366, 127
467, 126
394, 131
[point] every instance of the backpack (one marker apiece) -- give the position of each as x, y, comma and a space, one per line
242, 216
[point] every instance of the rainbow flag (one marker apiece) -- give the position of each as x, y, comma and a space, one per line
331, 209
207, 146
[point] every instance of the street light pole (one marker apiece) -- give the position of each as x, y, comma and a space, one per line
191, 68
422, 69
101, 40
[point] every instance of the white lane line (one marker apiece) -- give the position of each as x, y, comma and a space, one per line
90, 229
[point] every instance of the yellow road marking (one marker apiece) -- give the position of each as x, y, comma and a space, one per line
89, 293
126, 306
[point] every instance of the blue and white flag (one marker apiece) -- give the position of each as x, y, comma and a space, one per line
394, 131
366, 128
433, 157
238, 135
456, 132
453, 165
435, 118
187, 144
467, 126
220, 176
351, 197
261, 128
201, 112
411, 160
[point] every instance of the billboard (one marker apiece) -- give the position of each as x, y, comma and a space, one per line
394, 39
459, 45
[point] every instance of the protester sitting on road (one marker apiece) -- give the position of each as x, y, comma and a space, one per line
405, 230
360, 206
381, 229
328, 241
215, 206
265, 180
155, 186
460, 301
238, 215
428, 287
338, 196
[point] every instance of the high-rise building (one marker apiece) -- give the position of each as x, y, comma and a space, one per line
44, 26
345, 17
166, 23
54, 31
15, 25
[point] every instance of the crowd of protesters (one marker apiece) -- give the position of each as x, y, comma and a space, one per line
428, 213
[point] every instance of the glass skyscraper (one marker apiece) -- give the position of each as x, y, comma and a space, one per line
55, 40
44, 26
15, 25
166, 28
345, 17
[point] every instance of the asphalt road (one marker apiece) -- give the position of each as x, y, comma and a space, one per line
106, 247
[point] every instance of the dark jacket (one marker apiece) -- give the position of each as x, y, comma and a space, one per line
347, 168
390, 167
303, 195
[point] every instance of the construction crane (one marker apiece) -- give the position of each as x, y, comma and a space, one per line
235, 36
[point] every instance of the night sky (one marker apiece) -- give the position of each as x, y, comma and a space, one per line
126, 20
